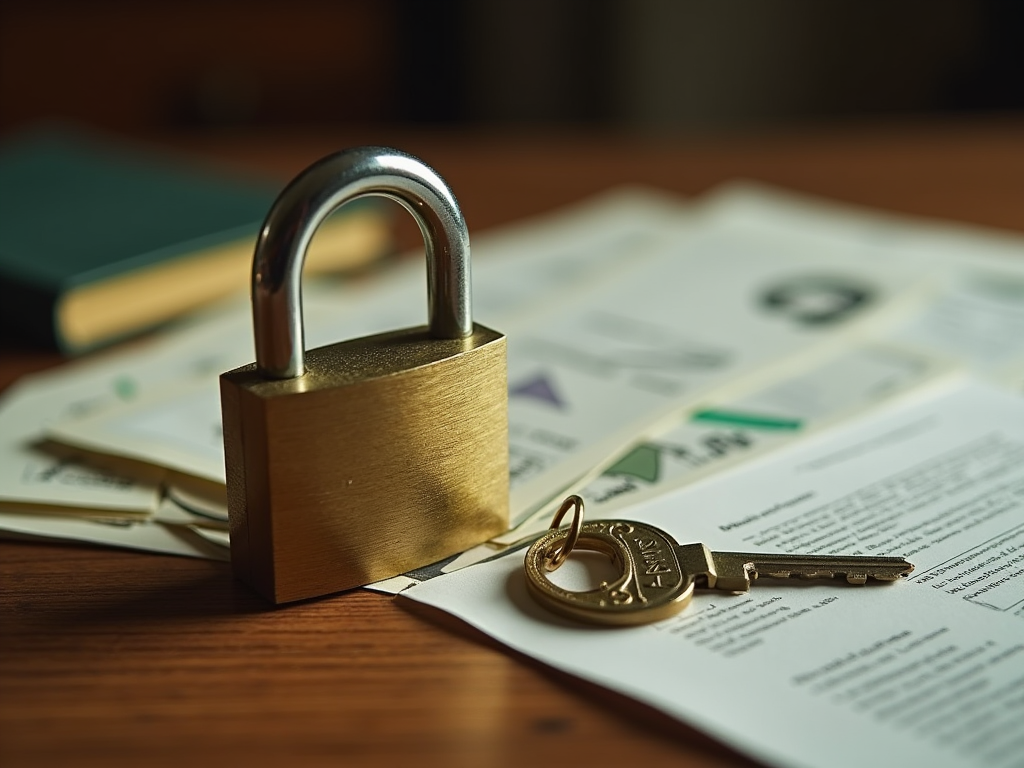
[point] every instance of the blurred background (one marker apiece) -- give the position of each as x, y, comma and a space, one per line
620, 65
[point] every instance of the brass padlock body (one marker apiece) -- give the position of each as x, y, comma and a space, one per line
389, 453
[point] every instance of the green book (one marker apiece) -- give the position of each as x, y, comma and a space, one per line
99, 241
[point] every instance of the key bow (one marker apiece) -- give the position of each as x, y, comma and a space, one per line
652, 583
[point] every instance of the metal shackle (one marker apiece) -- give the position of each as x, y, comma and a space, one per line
302, 207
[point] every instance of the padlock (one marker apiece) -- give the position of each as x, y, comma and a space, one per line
361, 460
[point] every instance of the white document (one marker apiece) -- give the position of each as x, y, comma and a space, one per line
712, 313
977, 313
34, 478
145, 535
927, 671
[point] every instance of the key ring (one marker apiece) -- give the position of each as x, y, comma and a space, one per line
553, 561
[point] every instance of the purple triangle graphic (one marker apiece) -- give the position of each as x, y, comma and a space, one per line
539, 388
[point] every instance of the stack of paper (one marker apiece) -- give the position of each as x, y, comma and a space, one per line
651, 343
133, 494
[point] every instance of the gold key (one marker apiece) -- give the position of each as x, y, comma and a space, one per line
658, 575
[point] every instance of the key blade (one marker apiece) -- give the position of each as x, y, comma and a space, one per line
736, 570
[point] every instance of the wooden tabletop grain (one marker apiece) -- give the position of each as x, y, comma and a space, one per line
118, 658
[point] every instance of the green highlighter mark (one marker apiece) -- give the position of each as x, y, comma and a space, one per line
749, 420
125, 387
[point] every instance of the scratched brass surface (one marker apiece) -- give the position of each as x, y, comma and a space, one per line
390, 453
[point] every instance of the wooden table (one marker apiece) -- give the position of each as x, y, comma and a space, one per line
119, 658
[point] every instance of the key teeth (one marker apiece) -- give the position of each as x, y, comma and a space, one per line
805, 575
852, 577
